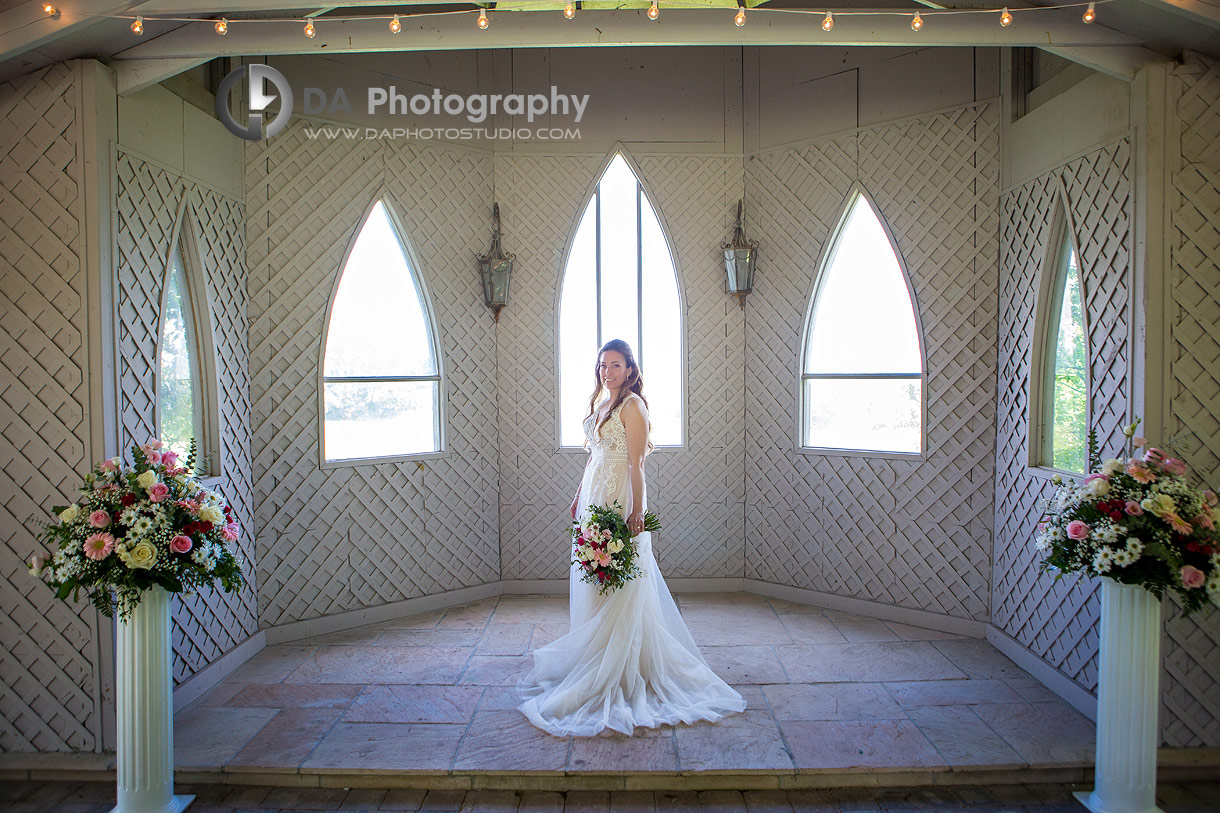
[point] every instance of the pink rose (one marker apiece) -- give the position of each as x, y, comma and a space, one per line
98, 546
1204, 521
1173, 466
1093, 477
1210, 497
169, 458
1140, 473
230, 532
181, 544
1133, 508
110, 464
99, 519
158, 492
1077, 529
1137, 441
1192, 577
1153, 454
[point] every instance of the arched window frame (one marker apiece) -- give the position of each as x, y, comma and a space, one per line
825, 261
1061, 240
434, 333
207, 405
573, 225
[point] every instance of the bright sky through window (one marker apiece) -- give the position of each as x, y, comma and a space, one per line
620, 283
381, 381
862, 387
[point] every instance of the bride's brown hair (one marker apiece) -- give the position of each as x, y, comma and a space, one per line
634, 382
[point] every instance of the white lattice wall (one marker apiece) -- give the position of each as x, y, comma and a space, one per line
1057, 621
357, 536
697, 489
49, 666
148, 199
916, 534
1191, 697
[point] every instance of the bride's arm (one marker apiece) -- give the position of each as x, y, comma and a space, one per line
636, 425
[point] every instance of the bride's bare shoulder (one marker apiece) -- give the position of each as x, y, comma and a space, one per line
635, 403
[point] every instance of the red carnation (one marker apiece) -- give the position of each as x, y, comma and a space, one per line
127, 499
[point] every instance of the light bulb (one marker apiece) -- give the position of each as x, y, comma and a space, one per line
828, 22
49, 10
222, 26
137, 27
916, 22
482, 19
395, 25
310, 31
740, 19
653, 11
1090, 14
1005, 17
569, 10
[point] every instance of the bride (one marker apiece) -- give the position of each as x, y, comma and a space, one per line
628, 659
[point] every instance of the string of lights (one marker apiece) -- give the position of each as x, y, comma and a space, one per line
222, 25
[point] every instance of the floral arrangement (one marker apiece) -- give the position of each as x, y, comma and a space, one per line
1137, 521
604, 547
137, 526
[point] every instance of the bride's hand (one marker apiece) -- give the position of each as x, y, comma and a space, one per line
635, 522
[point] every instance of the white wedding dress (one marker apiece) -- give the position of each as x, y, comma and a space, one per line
628, 659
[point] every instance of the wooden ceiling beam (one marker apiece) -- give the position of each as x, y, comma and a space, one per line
26, 26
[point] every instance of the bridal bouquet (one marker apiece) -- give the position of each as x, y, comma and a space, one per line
1138, 522
137, 526
604, 547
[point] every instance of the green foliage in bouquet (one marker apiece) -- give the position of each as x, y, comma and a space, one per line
604, 548
1137, 521
139, 525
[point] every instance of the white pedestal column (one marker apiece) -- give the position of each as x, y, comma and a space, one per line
1128, 699
145, 707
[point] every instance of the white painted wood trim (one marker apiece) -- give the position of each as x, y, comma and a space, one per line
351, 619
872, 609
194, 687
1044, 673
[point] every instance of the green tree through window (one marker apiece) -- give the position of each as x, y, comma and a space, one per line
180, 399
1068, 385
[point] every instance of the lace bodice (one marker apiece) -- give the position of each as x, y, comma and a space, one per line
613, 437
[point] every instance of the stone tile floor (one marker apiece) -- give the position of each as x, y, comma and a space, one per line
98, 797
825, 690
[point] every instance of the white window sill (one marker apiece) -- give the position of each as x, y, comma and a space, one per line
378, 461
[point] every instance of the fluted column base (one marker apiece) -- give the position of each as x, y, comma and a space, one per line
1128, 700
145, 710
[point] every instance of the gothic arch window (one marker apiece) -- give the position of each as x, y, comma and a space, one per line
186, 403
620, 282
381, 364
1059, 374
862, 379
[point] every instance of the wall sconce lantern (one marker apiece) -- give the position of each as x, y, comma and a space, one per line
739, 258
495, 267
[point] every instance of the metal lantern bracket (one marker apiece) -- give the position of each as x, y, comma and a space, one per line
495, 269
740, 257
